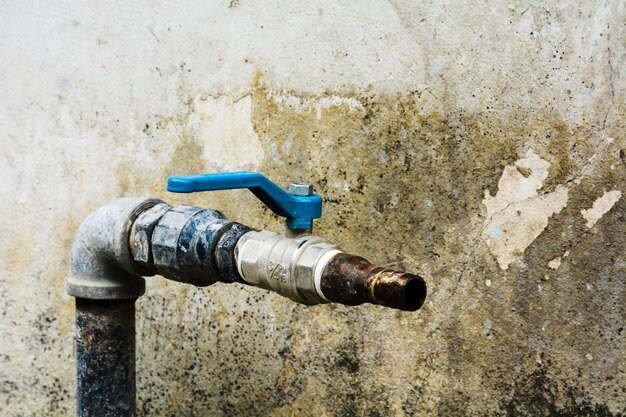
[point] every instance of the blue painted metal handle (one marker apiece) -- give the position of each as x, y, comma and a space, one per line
299, 211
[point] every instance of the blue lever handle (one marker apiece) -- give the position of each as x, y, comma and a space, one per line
298, 210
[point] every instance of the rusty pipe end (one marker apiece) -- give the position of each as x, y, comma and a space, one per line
394, 289
352, 280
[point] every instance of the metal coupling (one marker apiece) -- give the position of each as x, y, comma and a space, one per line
186, 244
287, 266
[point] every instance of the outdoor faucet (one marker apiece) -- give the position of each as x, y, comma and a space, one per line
126, 239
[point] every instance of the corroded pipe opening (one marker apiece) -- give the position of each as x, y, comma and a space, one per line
395, 289
414, 292
352, 280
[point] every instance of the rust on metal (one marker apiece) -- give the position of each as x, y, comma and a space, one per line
105, 358
352, 280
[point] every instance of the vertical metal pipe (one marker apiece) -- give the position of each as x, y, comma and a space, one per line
105, 357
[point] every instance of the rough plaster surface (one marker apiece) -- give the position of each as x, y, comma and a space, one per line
423, 125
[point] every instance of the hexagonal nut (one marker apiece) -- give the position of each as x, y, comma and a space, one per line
141, 233
305, 271
301, 189
165, 238
249, 251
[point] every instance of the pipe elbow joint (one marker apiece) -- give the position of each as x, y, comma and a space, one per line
102, 266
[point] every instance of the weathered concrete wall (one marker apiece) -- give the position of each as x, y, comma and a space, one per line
482, 145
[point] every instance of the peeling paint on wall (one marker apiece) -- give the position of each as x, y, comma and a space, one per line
517, 214
555, 263
316, 104
600, 206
